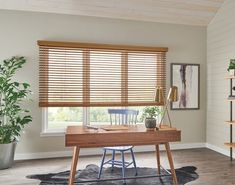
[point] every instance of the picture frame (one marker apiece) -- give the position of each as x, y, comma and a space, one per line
187, 78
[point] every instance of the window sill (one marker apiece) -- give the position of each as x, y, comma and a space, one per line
52, 133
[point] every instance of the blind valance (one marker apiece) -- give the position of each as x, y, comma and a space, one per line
84, 74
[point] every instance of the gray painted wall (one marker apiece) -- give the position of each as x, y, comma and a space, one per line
19, 34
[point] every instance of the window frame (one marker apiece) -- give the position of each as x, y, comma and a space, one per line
60, 132
86, 46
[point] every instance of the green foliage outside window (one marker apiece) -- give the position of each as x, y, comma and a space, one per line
60, 117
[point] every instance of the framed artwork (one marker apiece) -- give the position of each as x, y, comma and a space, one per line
187, 78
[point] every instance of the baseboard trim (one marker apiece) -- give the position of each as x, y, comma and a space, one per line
219, 150
98, 151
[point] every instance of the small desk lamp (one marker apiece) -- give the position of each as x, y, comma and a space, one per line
171, 97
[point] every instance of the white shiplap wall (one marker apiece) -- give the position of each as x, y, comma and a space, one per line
220, 49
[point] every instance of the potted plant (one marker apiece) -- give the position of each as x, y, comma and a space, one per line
13, 117
149, 115
231, 67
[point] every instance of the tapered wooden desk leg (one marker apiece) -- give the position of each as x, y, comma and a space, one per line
158, 159
74, 164
170, 159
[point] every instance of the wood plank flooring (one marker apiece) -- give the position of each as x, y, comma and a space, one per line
213, 168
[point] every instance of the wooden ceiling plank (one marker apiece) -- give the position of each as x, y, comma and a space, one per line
190, 12
149, 4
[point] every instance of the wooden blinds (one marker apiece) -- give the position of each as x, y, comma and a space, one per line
79, 74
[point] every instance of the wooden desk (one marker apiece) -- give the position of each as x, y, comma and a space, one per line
81, 137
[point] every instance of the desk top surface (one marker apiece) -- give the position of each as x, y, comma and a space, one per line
107, 129
132, 135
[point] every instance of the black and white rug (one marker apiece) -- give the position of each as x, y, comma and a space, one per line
184, 175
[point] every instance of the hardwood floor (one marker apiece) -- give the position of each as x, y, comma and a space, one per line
213, 168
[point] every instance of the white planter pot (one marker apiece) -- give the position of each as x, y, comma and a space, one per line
7, 152
232, 72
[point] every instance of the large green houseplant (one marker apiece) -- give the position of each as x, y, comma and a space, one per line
13, 117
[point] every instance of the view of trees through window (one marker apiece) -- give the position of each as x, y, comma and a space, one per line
100, 116
60, 117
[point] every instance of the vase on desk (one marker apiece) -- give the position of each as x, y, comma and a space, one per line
150, 123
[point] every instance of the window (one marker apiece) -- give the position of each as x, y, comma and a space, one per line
79, 82
60, 117
99, 115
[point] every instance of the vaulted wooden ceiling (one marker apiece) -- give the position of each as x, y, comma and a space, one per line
189, 12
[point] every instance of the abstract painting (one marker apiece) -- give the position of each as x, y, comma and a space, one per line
186, 78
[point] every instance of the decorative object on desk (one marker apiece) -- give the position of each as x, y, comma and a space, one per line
171, 97
92, 127
114, 127
13, 116
184, 175
231, 97
231, 67
149, 116
186, 77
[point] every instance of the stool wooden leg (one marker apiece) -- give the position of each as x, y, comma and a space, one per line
74, 164
158, 159
102, 164
113, 158
123, 167
169, 155
133, 160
